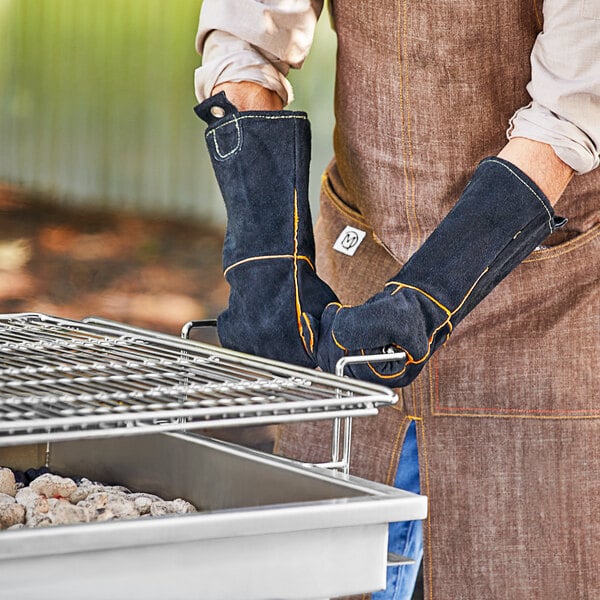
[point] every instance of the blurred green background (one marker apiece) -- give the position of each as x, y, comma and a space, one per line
96, 101
108, 204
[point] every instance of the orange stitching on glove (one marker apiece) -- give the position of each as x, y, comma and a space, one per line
312, 337
340, 306
268, 257
409, 361
296, 286
448, 322
470, 291
416, 289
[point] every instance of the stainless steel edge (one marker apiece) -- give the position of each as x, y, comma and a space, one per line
316, 498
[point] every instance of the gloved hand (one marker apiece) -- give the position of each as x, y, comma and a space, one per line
501, 217
261, 161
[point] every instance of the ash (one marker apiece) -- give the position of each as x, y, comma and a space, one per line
38, 498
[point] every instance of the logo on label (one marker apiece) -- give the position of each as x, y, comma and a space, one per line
349, 240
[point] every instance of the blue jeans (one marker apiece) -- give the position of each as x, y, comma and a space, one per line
406, 537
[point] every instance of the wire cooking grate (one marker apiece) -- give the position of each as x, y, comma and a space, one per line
64, 379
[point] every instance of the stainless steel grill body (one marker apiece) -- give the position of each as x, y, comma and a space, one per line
271, 528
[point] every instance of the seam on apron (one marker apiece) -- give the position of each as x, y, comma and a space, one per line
414, 399
395, 456
340, 206
277, 439
401, 49
419, 384
433, 364
501, 413
523, 415
538, 17
428, 564
328, 190
410, 144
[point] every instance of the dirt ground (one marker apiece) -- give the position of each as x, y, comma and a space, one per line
151, 273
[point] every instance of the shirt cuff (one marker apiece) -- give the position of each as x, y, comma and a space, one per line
570, 143
226, 58
278, 29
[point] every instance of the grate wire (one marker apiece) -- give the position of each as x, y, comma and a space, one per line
61, 379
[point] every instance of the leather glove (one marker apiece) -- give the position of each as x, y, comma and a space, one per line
261, 161
500, 218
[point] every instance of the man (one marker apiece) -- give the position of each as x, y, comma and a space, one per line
504, 406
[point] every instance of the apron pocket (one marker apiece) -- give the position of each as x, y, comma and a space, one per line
349, 256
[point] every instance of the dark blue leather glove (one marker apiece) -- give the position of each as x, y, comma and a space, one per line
261, 161
501, 217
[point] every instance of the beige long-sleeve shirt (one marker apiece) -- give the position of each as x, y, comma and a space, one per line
260, 40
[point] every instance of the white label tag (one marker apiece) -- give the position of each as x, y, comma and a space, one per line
349, 240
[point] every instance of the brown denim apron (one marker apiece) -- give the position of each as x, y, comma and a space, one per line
508, 412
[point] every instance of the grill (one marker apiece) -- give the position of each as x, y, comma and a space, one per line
67, 386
